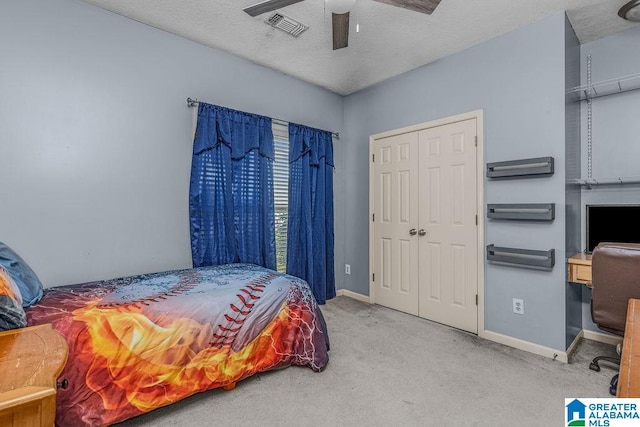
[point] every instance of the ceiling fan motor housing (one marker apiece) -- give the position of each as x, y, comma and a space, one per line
339, 6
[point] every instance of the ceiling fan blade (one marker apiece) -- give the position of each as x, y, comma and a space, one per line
422, 6
268, 6
340, 23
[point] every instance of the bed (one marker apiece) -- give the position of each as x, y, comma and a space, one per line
142, 342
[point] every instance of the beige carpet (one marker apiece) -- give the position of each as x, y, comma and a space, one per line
389, 369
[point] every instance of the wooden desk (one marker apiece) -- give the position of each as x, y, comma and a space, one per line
629, 379
30, 361
579, 267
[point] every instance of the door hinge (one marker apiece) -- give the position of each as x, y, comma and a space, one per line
476, 219
476, 140
373, 276
373, 217
373, 158
476, 299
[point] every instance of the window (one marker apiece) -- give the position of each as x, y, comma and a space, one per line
281, 192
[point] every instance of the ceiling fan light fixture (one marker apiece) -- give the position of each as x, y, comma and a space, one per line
630, 11
340, 6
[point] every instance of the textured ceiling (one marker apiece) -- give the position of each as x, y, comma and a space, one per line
391, 40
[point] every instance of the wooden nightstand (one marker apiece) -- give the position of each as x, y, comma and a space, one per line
30, 361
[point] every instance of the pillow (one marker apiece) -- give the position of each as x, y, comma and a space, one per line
12, 315
27, 281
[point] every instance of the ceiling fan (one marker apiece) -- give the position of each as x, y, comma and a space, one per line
340, 13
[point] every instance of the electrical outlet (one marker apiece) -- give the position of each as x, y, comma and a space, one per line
518, 306
347, 268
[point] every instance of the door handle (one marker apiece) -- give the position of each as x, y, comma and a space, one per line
413, 232
422, 232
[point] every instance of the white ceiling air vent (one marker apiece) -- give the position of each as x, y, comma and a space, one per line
286, 24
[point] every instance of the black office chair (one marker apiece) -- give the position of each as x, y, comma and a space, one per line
616, 279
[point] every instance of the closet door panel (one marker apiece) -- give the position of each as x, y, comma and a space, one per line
448, 214
395, 209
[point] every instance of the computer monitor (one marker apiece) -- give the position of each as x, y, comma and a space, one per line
612, 223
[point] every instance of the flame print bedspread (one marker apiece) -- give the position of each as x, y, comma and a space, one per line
139, 343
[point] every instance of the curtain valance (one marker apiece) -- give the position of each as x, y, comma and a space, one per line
318, 144
220, 125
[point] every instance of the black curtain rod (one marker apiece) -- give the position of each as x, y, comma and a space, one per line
191, 102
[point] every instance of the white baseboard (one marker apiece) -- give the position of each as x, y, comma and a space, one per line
540, 350
354, 295
601, 337
574, 344
562, 356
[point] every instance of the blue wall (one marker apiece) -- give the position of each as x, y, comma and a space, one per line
616, 130
96, 135
519, 81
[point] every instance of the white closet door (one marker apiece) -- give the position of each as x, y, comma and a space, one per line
448, 267
395, 207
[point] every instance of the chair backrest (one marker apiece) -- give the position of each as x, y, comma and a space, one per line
616, 279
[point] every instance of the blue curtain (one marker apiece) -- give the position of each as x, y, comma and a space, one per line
231, 196
310, 226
